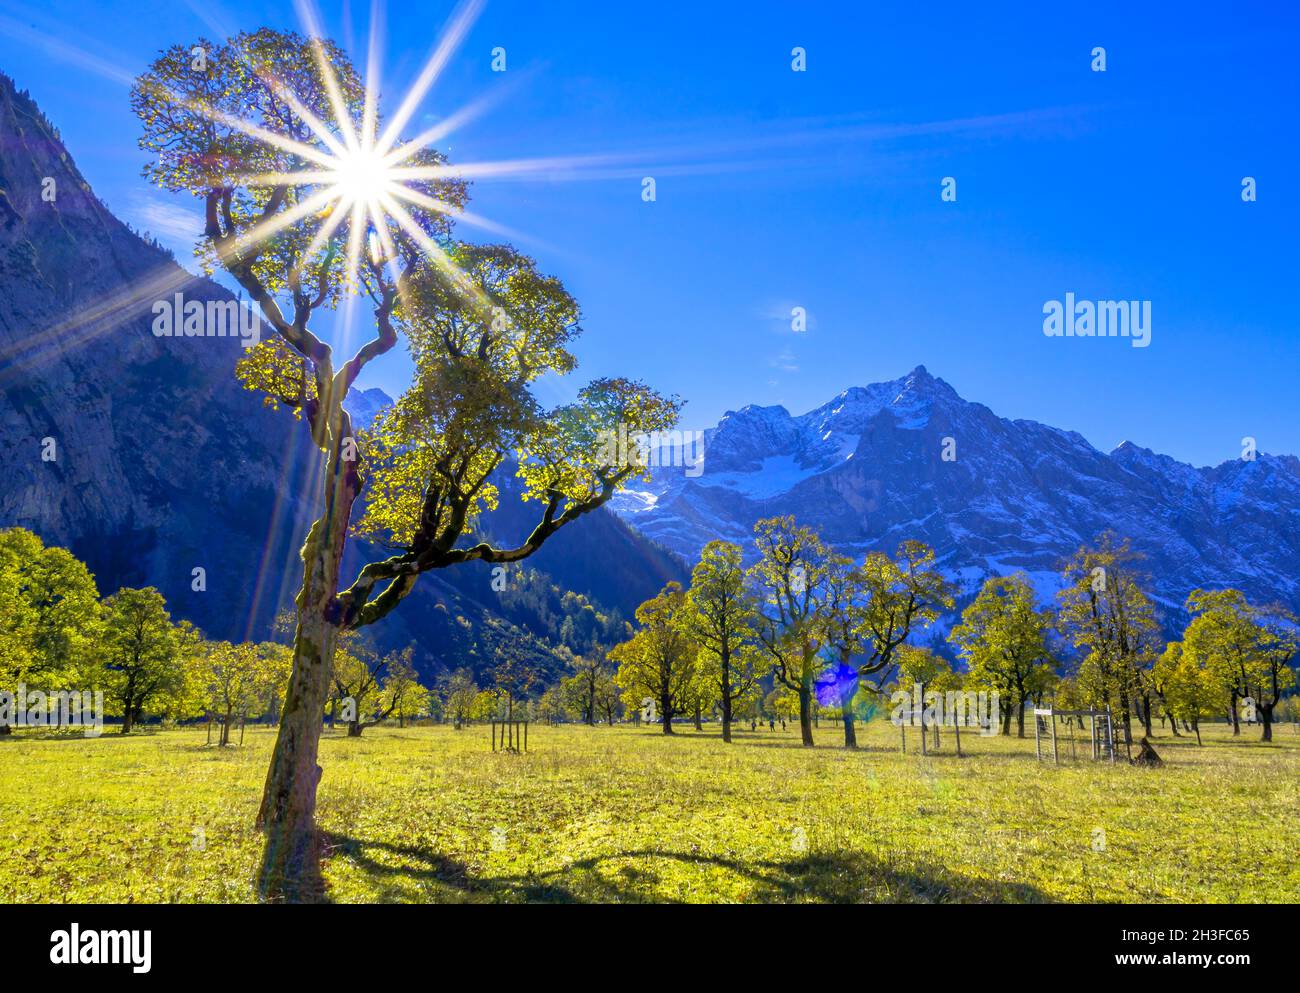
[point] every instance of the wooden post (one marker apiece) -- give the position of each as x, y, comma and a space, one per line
903, 727
1038, 736
956, 730
922, 686
209, 727
525, 736
1055, 760
243, 719
494, 736
1110, 733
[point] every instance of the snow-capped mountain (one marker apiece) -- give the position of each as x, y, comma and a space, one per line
868, 470
366, 405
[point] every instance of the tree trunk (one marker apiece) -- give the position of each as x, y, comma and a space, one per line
225, 731
805, 714
1020, 719
354, 729
698, 725
1127, 718
1146, 713
1236, 720
726, 697
666, 712
290, 862
1266, 718
1197, 726
846, 715
290, 868
128, 709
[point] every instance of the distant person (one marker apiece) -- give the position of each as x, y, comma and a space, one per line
771, 723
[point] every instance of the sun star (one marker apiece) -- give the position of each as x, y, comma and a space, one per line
361, 176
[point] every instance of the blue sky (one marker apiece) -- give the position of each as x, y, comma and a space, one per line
821, 189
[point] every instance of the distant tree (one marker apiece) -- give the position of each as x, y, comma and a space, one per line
783, 703
846, 640
254, 137
931, 673
1003, 637
49, 613
920, 666
1248, 648
609, 698
486, 706
277, 666
184, 696
1275, 672
141, 650
359, 674
871, 611
553, 706
659, 660
581, 687
904, 593
235, 677
401, 690
790, 579
701, 696
458, 691
721, 614
1107, 616
1192, 690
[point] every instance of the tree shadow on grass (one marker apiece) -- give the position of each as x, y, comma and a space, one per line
841, 877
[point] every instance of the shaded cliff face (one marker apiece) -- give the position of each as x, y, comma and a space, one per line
162, 463
867, 469
142, 454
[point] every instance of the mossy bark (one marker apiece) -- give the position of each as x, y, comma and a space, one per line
290, 870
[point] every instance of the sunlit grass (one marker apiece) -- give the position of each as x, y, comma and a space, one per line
626, 814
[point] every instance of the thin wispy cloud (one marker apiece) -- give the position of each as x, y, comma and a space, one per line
166, 221
785, 361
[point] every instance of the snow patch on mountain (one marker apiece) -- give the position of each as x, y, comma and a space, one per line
866, 470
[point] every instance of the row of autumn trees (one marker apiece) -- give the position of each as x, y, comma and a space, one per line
57, 633
811, 629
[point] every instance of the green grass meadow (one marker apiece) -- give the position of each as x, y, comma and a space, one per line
626, 814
